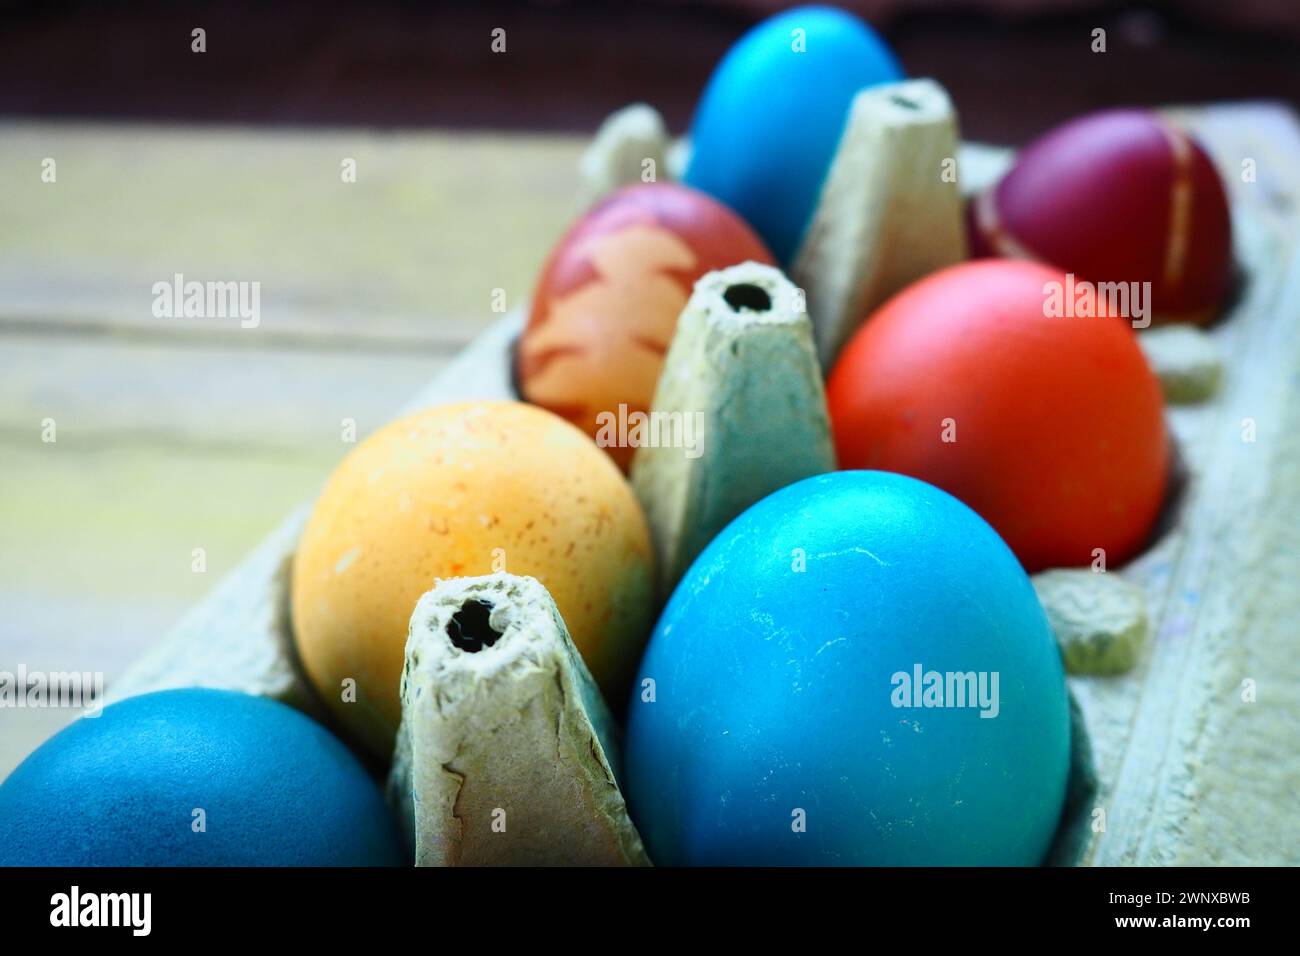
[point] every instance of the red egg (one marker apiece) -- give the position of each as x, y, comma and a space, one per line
607, 302
1117, 196
1051, 428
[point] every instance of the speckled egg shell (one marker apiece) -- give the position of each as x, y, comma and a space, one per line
195, 777
771, 117
1117, 196
606, 304
773, 733
458, 490
1052, 428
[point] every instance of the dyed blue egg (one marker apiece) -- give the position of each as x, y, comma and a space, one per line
771, 116
788, 724
195, 777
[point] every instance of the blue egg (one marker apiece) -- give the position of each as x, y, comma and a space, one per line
855, 671
195, 778
771, 117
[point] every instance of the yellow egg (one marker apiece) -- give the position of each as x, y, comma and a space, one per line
458, 490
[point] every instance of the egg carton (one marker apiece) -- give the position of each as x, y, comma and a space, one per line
1185, 690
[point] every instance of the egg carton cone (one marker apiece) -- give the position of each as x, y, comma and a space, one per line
889, 213
631, 146
505, 750
1187, 758
742, 367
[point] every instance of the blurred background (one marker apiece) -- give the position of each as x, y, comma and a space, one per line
1013, 66
182, 437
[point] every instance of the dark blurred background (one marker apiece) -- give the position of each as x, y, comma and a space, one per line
1013, 66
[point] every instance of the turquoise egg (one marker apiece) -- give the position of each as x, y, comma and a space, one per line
855, 671
195, 777
770, 119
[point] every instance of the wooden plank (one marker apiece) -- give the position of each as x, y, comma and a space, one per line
408, 256
102, 392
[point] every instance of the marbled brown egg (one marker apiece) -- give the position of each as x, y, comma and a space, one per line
606, 304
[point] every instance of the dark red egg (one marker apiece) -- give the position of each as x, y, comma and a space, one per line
1120, 196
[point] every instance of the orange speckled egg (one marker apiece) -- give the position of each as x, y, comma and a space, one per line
465, 489
606, 305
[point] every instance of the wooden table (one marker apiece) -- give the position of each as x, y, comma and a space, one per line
174, 434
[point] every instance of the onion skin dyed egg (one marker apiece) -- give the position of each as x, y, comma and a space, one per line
195, 777
1051, 428
784, 729
1117, 196
771, 117
460, 490
606, 305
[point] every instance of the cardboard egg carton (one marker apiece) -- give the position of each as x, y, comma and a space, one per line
1187, 755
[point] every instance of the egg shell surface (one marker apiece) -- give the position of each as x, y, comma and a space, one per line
606, 304
1117, 196
121, 789
1052, 428
457, 490
771, 117
774, 668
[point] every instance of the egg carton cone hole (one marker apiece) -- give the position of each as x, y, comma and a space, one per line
505, 750
741, 366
